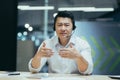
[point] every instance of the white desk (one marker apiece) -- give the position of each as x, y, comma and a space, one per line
46, 76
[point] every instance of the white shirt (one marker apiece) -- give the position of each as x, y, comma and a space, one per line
57, 64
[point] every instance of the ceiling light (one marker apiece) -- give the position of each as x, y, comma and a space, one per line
86, 9
100, 10
27, 7
27, 25
75, 8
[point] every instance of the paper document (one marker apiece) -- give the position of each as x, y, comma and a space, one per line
63, 78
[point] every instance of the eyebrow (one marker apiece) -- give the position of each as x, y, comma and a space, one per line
63, 23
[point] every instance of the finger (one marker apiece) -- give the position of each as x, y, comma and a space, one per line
47, 49
71, 45
47, 54
63, 54
50, 54
63, 49
44, 44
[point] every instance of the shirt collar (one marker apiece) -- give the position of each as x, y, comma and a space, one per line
56, 41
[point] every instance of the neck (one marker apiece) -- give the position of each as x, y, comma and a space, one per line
64, 42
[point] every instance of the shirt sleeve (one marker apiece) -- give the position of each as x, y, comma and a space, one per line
87, 56
31, 69
86, 53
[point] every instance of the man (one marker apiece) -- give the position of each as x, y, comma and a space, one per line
64, 52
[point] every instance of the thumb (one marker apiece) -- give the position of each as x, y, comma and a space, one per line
44, 44
71, 45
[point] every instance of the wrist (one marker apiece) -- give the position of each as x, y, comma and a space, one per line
78, 57
36, 61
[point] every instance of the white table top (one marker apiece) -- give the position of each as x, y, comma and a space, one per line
49, 76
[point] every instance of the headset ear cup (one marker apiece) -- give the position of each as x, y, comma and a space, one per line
54, 28
74, 27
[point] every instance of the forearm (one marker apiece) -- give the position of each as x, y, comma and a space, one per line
82, 64
37, 65
36, 62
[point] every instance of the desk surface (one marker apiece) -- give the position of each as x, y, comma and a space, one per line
46, 76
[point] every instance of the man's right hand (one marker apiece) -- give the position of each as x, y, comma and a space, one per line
45, 52
42, 52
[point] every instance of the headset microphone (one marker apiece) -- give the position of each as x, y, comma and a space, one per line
70, 34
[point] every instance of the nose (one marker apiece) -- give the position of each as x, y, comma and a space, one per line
63, 27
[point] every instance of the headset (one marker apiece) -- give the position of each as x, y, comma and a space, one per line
70, 34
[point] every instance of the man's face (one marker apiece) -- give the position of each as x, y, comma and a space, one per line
63, 27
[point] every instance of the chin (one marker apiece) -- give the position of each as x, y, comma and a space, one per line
62, 37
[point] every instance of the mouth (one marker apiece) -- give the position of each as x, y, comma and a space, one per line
63, 34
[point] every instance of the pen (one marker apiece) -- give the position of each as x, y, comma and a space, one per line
14, 74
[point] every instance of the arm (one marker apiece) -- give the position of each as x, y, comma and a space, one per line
85, 52
37, 62
34, 70
81, 63
83, 58
84, 61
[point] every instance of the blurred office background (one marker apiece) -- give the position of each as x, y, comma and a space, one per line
97, 21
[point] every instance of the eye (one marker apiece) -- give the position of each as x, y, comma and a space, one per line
66, 25
59, 25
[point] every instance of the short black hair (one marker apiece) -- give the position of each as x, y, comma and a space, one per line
67, 14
